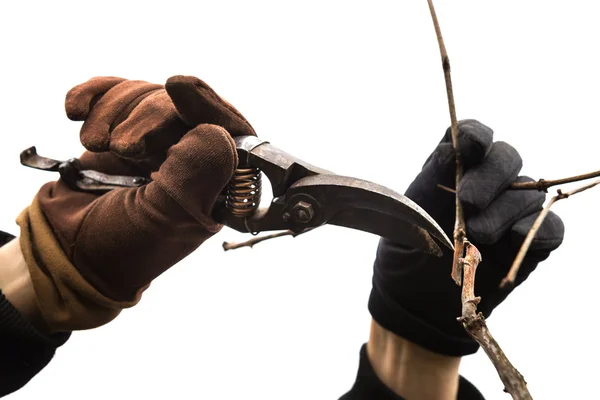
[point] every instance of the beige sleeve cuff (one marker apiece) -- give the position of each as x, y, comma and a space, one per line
66, 300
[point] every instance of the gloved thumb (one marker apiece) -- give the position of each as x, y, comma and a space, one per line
195, 172
474, 141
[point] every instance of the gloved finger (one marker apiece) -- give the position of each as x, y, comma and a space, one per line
79, 99
150, 129
489, 225
197, 103
482, 183
111, 109
549, 236
196, 171
475, 141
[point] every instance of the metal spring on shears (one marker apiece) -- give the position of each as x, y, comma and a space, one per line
244, 191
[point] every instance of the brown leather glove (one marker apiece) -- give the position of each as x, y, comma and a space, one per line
92, 255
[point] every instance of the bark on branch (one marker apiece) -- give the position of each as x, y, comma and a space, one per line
475, 325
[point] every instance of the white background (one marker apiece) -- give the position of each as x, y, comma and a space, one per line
354, 87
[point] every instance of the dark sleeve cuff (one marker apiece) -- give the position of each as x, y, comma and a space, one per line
13, 324
367, 384
5, 238
369, 387
24, 350
396, 319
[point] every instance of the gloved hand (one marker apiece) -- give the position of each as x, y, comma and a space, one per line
92, 255
413, 294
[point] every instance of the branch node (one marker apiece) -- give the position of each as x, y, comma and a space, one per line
542, 185
561, 195
446, 63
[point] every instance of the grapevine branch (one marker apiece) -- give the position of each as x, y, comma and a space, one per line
460, 232
463, 269
474, 324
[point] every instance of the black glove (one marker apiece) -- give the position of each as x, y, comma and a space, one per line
413, 294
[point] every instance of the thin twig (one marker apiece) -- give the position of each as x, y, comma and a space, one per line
475, 325
255, 240
460, 234
509, 280
446, 188
543, 184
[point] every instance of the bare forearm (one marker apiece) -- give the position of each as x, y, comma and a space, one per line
15, 281
410, 370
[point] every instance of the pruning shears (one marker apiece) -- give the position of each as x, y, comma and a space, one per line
304, 197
